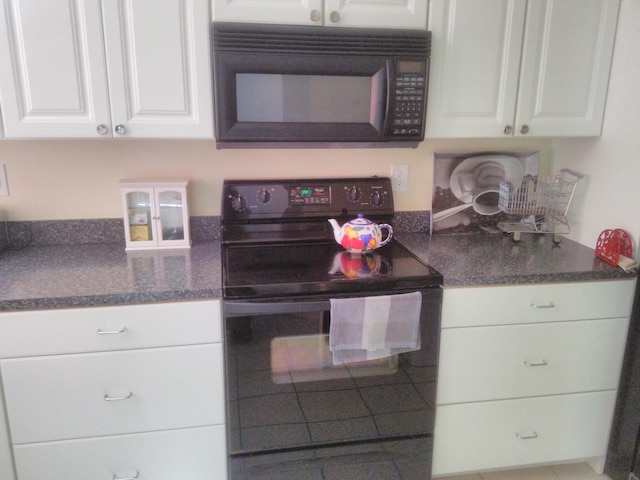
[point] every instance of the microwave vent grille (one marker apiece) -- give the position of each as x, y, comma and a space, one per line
238, 37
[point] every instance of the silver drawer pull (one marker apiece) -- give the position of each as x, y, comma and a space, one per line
116, 477
111, 332
531, 436
542, 363
109, 398
548, 305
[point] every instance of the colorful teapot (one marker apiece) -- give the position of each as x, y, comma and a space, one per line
360, 235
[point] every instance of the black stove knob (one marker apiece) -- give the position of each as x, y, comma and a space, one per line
264, 196
377, 198
354, 193
238, 203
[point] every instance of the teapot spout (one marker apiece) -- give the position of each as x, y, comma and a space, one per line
337, 230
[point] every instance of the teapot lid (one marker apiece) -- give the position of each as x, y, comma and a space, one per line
361, 220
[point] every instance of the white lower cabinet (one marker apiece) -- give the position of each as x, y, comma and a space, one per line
487, 363
193, 454
112, 393
509, 433
528, 374
142, 396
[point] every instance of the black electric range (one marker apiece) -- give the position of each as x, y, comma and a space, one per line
292, 407
277, 240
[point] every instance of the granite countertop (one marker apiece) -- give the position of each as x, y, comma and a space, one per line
495, 259
46, 277
61, 276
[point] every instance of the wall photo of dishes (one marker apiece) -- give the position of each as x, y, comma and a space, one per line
466, 188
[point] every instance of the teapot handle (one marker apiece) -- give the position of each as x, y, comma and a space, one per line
389, 233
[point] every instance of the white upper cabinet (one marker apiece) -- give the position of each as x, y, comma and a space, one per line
84, 68
331, 13
54, 80
158, 61
566, 60
516, 68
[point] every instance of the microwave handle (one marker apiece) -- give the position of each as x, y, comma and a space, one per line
390, 74
240, 308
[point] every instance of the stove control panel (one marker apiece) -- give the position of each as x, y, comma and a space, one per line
306, 198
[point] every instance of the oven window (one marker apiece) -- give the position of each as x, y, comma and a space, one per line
307, 358
265, 97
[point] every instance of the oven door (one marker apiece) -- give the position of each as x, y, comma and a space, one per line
285, 392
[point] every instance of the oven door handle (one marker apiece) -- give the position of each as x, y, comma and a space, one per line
234, 308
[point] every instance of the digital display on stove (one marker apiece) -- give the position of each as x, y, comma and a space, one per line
317, 195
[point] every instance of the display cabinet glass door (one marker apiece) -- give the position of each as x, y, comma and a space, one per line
171, 215
140, 212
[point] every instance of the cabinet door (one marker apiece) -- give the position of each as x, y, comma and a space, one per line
491, 435
110, 328
190, 454
475, 61
302, 12
6, 458
376, 13
62, 397
489, 363
53, 81
140, 207
159, 70
565, 67
173, 220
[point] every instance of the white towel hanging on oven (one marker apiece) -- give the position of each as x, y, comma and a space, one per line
369, 328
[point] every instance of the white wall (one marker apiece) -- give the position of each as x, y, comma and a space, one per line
71, 179
609, 197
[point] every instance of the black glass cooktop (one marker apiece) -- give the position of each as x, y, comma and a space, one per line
322, 267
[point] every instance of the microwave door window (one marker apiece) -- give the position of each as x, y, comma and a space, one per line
276, 98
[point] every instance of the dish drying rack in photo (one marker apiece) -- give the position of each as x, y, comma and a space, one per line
541, 203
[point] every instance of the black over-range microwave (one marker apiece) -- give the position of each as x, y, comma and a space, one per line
284, 85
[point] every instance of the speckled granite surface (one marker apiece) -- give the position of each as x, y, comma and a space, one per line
488, 259
62, 276
44, 277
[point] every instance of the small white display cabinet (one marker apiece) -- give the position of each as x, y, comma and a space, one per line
155, 214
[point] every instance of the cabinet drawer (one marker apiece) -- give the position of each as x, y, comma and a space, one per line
485, 435
473, 306
88, 395
194, 454
109, 328
488, 363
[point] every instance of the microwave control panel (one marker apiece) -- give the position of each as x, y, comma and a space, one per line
410, 98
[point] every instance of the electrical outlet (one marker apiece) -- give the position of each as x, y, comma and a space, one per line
4, 186
399, 177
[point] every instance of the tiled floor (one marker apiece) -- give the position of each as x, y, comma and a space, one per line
579, 471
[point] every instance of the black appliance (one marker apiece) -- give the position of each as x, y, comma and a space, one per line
290, 408
284, 85
623, 455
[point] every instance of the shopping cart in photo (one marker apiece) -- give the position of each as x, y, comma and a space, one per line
541, 204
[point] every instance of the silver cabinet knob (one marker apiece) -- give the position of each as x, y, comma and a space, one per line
315, 15
102, 129
524, 129
507, 130
334, 17
120, 129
